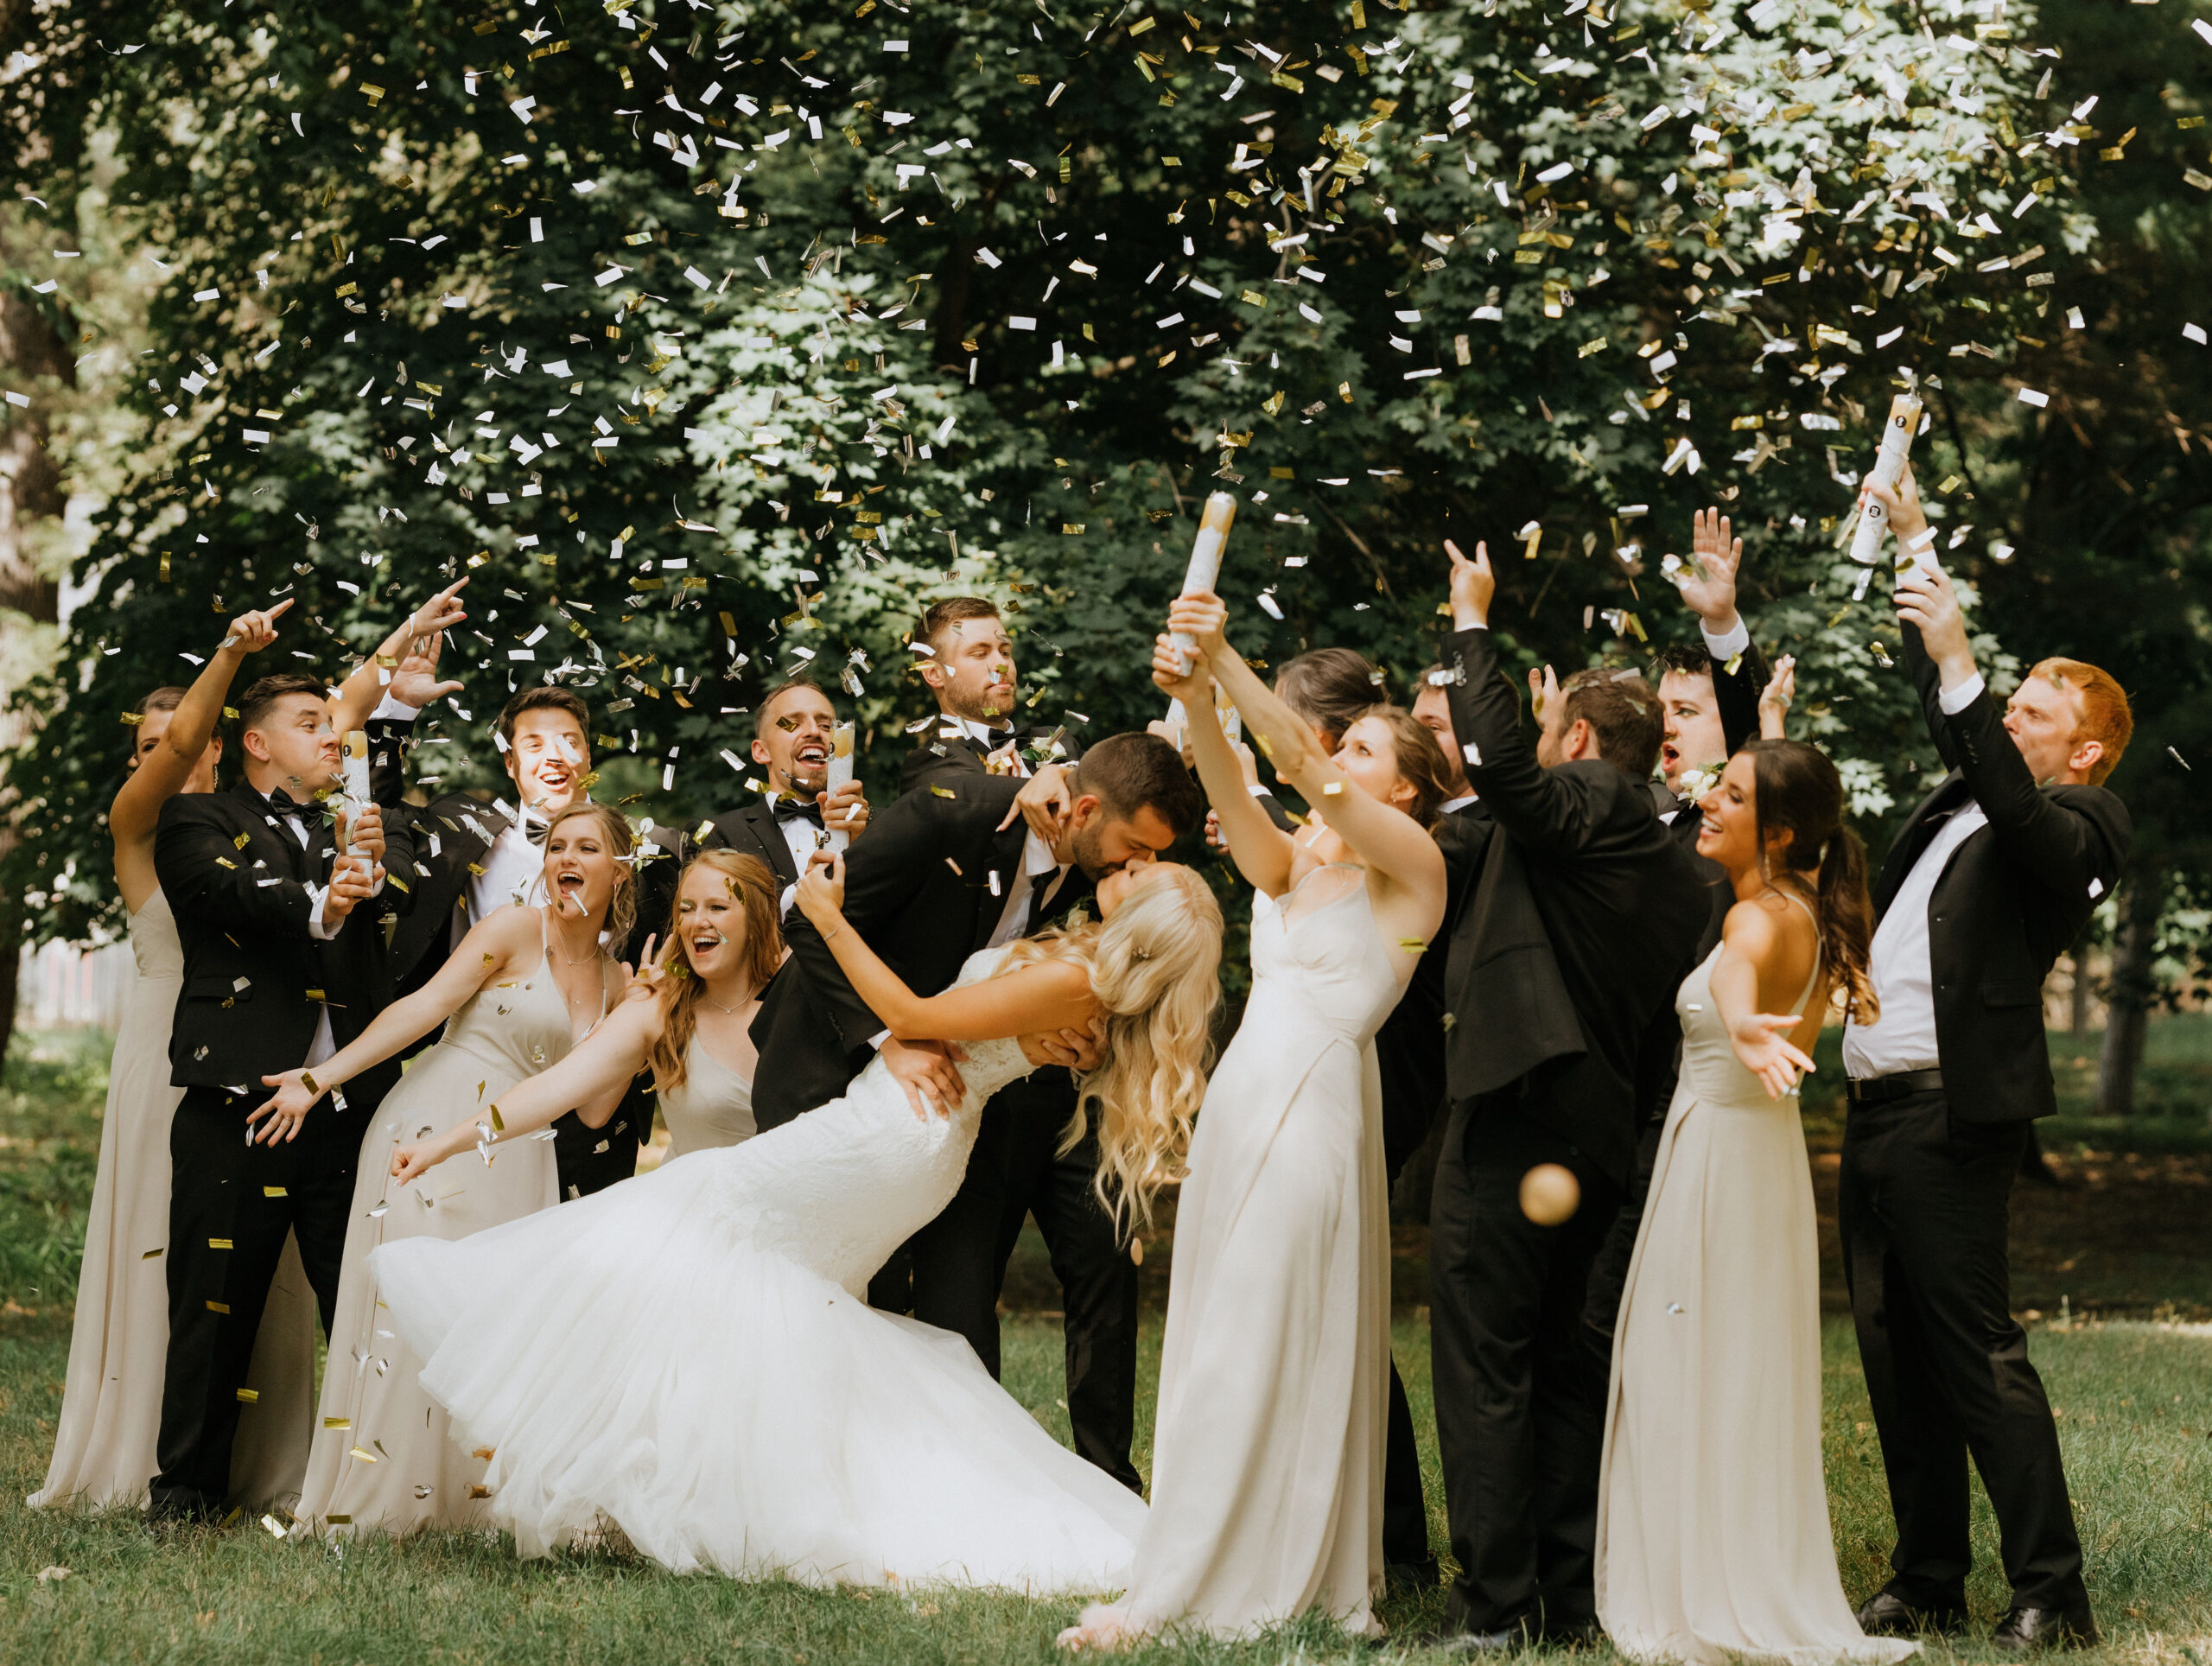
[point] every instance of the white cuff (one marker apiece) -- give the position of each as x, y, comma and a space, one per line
1258, 792
1955, 701
391, 711
1726, 648
879, 1038
784, 903
318, 895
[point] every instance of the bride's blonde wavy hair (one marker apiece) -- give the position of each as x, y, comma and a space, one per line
1155, 967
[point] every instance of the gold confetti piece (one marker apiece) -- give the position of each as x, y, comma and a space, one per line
216, 1244
484, 1452
153, 1255
337, 1422
274, 1192
365, 1457
339, 1521
247, 1396
480, 1492
276, 1527
219, 1307
1412, 945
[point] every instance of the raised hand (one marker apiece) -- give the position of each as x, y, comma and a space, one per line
416, 682
363, 834
1168, 675
846, 808
1907, 518
1925, 598
1775, 700
439, 614
1709, 583
1543, 689
1202, 616
1761, 1040
644, 983
251, 633
1473, 585
1044, 802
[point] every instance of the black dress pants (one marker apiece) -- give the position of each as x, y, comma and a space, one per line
1098, 1281
1519, 1402
1924, 1212
1405, 1507
230, 1206
1601, 1312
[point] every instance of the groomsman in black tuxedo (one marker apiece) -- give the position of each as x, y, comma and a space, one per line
472, 859
1996, 873
796, 815
1710, 695
1574, 932
284, 963
969, 668
937, 879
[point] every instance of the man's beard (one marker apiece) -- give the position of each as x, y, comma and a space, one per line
804, 786
978, 708
1087, 846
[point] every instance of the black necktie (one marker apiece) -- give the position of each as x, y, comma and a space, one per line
787, 808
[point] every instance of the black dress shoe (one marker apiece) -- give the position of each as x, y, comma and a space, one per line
2026, 1629
1411, 1575
1886, 1615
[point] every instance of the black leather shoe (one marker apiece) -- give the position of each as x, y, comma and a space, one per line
2026, 1629
1410, 1575
1886, 1615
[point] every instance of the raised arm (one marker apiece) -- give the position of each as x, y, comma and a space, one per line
1263, 849
162, 771
590, 1081
1709, 587
1549, 809
1394, 846
1047, 995
361, 694
489, 952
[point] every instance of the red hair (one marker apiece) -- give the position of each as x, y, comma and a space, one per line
2106, 718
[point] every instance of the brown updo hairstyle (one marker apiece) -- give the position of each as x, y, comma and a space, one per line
1422, 762
1797, 788
614, 827
1330, 690
753, 883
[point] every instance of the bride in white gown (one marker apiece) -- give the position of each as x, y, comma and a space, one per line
740, 1408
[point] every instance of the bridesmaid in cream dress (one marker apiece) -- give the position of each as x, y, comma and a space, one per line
516, 993
103, 1447
1266, 1482
1714, 1543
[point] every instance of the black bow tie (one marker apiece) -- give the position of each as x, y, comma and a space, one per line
535, 830
787, 808
285, 805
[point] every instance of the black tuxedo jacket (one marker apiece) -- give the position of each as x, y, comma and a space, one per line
961, 754
255, 981
1409, 1048
925, 887
1580, 923
2012, 898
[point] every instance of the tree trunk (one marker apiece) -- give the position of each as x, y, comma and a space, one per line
31, 489
2127, 1007
2077, 1016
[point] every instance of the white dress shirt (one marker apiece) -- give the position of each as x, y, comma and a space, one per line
1898, 963
1004, 743
1029, 884
1459, 803
802, 838
513, 868
324, 1044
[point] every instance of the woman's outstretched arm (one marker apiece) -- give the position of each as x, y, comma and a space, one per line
587, 1081
1048, 996
1263, 852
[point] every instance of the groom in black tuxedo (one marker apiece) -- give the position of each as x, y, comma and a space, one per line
937, 879
284, 963
1996, 873
1574, 932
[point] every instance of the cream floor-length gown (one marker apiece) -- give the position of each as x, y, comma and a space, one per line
1267, 1481
1713, 1542
386, 1457
104, 1446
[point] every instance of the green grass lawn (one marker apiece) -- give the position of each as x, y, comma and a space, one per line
2136, 1417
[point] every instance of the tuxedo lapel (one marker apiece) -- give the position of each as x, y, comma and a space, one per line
755, 830
1005, 856
1946, 801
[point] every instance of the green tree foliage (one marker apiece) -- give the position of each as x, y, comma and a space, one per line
914, 300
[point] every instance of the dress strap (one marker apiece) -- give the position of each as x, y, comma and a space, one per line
1811, 914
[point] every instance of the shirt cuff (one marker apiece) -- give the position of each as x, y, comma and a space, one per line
879, 1038
1726, 648
1258, 792
784, 905
394, 711
1955, 701
317, 895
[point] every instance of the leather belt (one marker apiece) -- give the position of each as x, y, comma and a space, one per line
1880, 1090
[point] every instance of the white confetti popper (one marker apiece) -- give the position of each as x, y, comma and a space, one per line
1889, 463
1206, 559
841, 761
353, 779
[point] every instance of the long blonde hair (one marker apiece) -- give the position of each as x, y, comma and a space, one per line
754, 884
1155, 967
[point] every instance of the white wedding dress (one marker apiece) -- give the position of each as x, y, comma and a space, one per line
689, 1355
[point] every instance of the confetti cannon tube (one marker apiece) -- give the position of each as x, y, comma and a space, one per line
353, 779
1889, 463
841, 761
1205, 558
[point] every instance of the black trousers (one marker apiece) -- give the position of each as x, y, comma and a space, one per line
949, 1273
1405, 1507
1924, 1212
1520, 1400
1601, 1311
230, 1206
